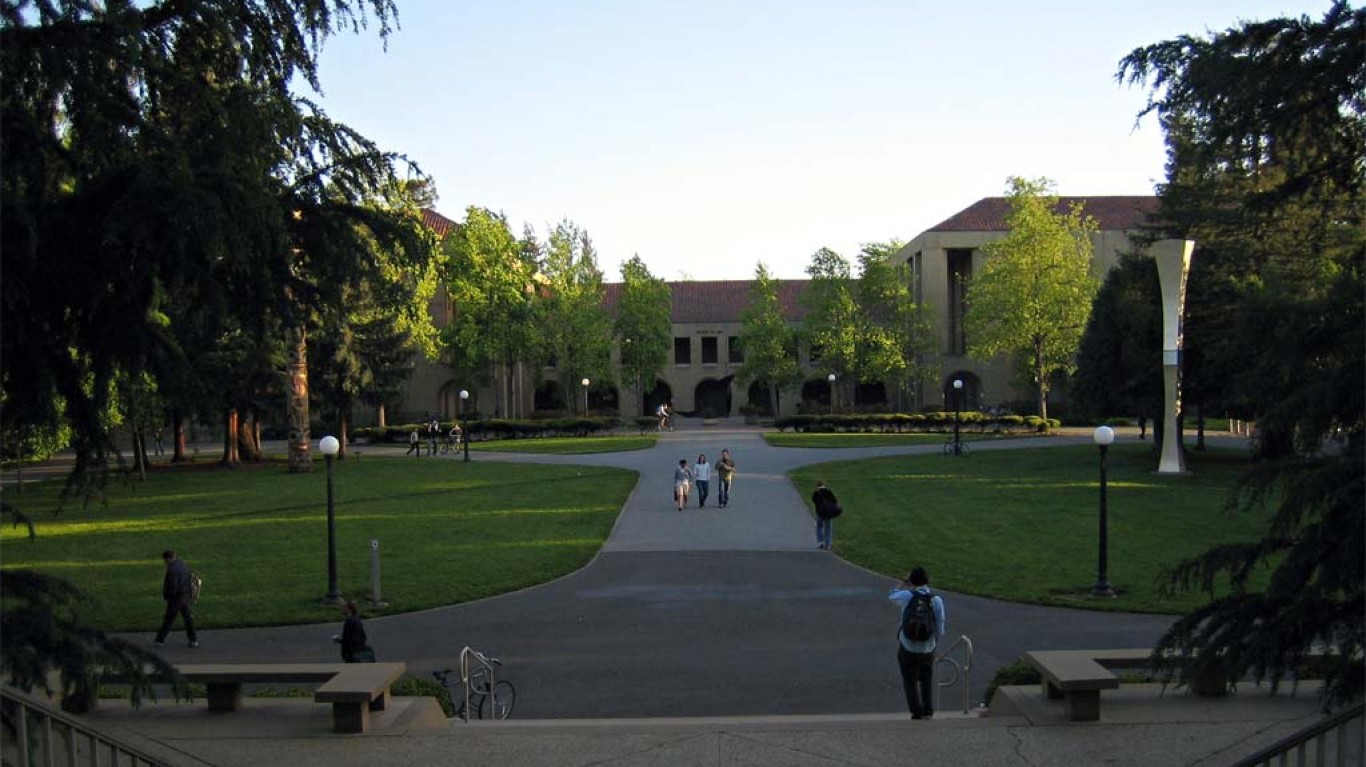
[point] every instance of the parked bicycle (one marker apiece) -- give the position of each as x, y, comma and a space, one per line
481, 689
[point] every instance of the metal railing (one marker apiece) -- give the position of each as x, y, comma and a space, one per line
36, 733
1335, 741
964, 670
488, 674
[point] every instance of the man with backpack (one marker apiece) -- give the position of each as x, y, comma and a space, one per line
179, 590
827, 508
922, 623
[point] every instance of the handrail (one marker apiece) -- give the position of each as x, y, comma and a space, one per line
1318, 733
61, 738
482, 660
964, 671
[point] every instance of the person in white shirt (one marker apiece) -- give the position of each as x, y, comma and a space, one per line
915, 654
701, 474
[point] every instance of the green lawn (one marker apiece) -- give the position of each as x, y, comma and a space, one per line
861, 439
1022, 525
449, 532
567, 445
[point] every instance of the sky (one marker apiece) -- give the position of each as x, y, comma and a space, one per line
707, 136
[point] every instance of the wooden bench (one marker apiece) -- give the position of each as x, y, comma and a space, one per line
1078, 676
353, 689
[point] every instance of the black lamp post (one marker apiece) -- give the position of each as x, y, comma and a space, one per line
830, 379
585, 383
1103, 436
329, 446
460, 416
957, 406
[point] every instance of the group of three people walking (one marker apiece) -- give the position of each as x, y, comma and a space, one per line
700, 474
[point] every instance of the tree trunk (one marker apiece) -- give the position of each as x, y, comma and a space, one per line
379, 417
178, 437
230, 427
140, 452
1200, 428
249, 437
300, 459
343, 428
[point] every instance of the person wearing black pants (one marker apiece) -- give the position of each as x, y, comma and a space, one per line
922, 624
176, 590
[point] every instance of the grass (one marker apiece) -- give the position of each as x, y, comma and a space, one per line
567, 445
860, 439
1022, 525
449, 532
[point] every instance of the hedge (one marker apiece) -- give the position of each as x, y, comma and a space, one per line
936, 421
495, 428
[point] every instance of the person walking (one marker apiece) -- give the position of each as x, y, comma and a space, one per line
433, 435
682, 479
922, 623
177, 590
355, 646
725, 472
701, 472
827, 508
414, 443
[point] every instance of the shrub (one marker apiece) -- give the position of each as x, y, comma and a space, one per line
417, 687
1016, 674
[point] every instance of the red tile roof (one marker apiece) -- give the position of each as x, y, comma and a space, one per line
437, 222
1111, 213
717, 301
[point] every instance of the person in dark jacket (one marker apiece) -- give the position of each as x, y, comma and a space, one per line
176, 590
355, 646
827, 508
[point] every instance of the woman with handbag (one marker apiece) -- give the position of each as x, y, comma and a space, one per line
355, 647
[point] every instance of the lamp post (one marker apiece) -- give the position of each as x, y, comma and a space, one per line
957, 406
1103, 436
329, 446
830, 379
585, 383
460, 416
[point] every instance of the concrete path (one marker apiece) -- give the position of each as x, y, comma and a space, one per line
706, 612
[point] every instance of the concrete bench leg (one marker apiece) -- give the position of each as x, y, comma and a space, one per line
380, 702
350, 717
224, 697
1051, 692
1083, 705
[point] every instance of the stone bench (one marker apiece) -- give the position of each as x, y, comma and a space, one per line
1078, 676
353, 689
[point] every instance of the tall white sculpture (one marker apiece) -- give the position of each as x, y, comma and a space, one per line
1173, 259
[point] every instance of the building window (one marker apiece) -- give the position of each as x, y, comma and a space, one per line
709, 350
960, 271
736, 356
682, 351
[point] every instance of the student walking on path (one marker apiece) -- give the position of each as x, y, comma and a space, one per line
922, 623
414, 444
827, 508
177, 590
725, 472
682, 480
701, 472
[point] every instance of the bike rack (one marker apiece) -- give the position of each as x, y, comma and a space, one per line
482, 660
964, 671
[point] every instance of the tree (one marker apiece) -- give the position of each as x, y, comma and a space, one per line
831, 325
767, 340
894, 337
1266, 139
575, 328
643, 326
1033, 294
1118, 363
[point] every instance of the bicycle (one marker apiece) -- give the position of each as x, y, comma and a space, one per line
482, 690
956, 448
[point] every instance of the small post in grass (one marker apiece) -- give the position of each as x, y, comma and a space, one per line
1103, 436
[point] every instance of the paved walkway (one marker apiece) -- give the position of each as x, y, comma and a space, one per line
707, 612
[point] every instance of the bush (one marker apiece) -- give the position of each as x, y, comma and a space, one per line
1016, 674
417, 687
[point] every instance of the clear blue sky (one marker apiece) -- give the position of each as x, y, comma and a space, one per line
707, 136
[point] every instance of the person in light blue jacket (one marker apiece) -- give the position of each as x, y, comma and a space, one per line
922, 623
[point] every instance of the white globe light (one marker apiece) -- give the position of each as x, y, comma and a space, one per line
830, 378
585, 382
329, 445
464, 394
1103, 435
958, 383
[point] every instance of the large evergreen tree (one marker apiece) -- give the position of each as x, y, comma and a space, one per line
1266, 133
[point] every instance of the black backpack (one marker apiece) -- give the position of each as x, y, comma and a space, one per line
917, 619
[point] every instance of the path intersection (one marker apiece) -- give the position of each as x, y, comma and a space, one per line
707, 612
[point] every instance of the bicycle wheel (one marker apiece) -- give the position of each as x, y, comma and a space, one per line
506, 696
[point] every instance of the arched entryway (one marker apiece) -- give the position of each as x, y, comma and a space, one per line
969, 397
760, 398
548, 396
816, 396
871, 395
659, 394
713, 398
604, 401
448, 401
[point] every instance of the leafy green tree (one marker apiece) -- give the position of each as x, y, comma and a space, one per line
576, 330
767, 339
895, 343
1266, 140
832, 322
1033, 294
1119, 369
643, 325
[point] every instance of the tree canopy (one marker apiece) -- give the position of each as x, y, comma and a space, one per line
1033, 294
643, 326
767, 341
1266, 137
